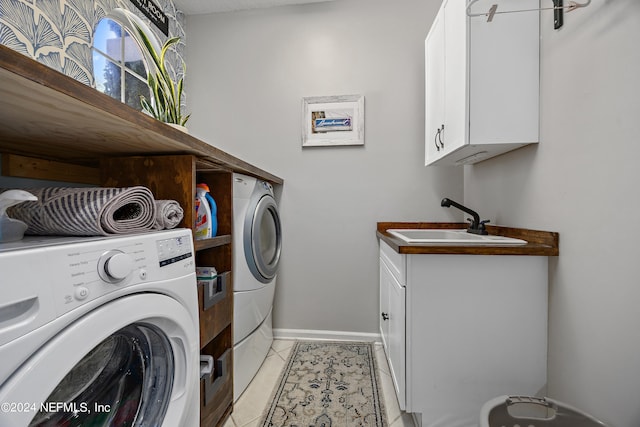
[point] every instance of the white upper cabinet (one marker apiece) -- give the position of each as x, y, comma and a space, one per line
482, 83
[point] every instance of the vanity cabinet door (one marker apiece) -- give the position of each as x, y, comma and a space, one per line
385, 285
392, 327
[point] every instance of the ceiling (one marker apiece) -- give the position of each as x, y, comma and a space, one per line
195, 7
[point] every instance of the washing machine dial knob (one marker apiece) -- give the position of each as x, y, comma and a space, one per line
115, 266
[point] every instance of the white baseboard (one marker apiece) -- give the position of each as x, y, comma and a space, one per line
313, 335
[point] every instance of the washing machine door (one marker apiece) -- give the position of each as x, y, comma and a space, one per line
131, 362
262, 237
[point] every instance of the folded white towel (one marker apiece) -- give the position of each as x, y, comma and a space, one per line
169, 213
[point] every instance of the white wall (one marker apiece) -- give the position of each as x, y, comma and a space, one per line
582, 181
247, 74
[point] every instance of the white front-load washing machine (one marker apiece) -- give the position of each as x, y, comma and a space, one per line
99, 331
256, 247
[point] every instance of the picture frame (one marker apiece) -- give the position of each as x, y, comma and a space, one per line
332, 120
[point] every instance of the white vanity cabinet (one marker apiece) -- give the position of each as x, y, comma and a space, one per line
482, 83
462, 329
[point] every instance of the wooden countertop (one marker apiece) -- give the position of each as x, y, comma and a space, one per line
543, 243
48, 115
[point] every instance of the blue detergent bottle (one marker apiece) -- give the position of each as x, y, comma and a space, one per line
212, 206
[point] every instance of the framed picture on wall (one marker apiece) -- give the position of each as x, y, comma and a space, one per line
332, 120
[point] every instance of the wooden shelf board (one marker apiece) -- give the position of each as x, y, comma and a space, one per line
46, 114
213, 242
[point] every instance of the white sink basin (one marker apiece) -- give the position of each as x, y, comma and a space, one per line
445, 236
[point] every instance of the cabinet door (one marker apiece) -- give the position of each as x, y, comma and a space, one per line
392, 328
456, 68
434, 90
397, 314
385, 278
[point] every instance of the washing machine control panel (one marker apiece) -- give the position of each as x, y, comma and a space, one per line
267, 186
173, 250
101, 268
45, 278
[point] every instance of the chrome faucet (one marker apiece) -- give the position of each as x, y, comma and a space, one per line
476, 226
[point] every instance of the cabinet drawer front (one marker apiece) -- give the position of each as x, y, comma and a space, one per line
216, 389
216, 307
395, 261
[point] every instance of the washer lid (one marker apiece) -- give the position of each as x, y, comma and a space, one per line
111, 366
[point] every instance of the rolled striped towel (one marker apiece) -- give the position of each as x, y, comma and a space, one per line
87, 211
169, 213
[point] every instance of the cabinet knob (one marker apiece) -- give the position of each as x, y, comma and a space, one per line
385, 316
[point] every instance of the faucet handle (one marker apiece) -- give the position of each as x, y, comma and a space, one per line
478, 228
481, 226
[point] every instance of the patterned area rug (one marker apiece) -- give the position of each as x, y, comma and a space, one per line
328, 384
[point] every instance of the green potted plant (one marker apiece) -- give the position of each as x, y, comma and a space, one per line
166, 94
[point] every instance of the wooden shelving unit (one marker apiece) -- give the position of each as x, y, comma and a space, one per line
53, 127
174, 177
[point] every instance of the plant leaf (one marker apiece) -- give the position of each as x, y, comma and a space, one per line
166, 95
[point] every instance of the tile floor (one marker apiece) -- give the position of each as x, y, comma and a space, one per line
247, 411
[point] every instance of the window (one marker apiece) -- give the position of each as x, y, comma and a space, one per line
118, 67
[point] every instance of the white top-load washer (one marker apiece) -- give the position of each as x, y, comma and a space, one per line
99, 331
256, 254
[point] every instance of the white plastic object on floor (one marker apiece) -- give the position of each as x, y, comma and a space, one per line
512, 411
